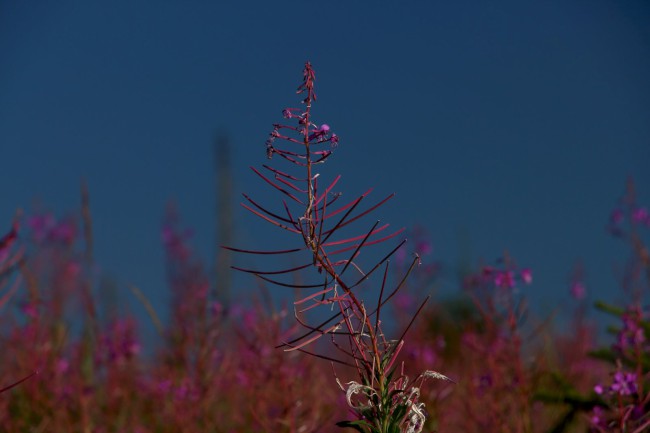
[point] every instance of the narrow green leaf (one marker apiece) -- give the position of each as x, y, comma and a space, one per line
608, 308
358, 425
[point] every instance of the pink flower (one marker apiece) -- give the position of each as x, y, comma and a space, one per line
597, 416
526, 275
624, 383
504, 279
632, 333
320, 134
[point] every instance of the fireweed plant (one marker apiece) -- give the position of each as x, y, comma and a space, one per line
10, 260
625, 396
382, 399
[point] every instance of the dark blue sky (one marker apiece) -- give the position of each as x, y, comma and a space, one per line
500, 125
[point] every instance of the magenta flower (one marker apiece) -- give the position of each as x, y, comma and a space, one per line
334, 140
597, 416
632, 334
624, 384
504, 279
526, 275
119, 343
320, 134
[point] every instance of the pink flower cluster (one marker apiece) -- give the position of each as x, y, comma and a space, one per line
506, 278
622, 384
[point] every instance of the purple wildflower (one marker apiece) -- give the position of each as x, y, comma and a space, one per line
504, 279
320, 134
632, 334
119, 344
624, 384
597, 416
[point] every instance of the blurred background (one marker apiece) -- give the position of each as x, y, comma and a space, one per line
510, 126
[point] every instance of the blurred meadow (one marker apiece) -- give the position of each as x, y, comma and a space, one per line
514, 135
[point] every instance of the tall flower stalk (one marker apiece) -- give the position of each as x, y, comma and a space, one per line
383, 399
9, 262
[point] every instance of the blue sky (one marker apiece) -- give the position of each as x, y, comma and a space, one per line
500, 125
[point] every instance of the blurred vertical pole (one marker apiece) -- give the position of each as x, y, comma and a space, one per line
223, 220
